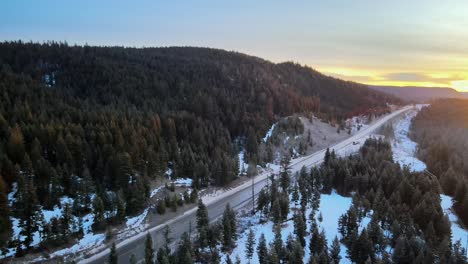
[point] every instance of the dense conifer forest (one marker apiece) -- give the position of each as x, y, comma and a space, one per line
407, 224
99, 124
441, 130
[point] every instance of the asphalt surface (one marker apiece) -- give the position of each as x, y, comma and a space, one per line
238, 197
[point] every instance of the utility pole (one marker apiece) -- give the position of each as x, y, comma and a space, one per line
253, 196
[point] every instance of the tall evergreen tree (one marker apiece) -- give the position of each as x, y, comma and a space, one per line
300, 228
98, 211
202, 223
149, 250
113, 257
262, 250
133, 259
185, 250
229, 227
335, 250
250, 245
5, 224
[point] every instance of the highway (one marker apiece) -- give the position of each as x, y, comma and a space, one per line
238, 197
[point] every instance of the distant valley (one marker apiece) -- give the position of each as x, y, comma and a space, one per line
420, 94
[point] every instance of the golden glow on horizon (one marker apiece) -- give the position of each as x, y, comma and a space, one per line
461, 86
383, 77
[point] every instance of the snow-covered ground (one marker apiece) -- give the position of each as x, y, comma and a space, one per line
332, 206
183, 182
242, 165
458, 233
89, 239
269, 133
403, 147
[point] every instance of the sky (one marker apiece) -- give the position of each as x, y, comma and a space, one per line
398, 42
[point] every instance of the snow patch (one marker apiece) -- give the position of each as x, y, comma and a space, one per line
332, 206
136, 221
458, 233
269, 133
242, 165
186, 182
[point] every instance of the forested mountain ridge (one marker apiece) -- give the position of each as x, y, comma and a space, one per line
76, 121
413, 94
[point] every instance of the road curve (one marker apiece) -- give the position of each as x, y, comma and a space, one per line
237, 197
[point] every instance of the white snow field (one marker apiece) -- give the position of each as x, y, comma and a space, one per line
458, 233
332, 206
403, 147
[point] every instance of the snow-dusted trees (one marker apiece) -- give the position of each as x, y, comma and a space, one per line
300, 228
262, 250
250, 245
184, 253
229, 225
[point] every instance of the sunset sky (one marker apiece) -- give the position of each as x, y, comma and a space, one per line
417, 43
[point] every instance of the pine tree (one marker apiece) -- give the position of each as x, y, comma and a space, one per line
15, 145
120, 206
276, 211
194, 196
252, 145
401, 253
27, 204
113, 257
67, 221
273, 257
295, 193
262, 201
98, 211
318, 242
229, 227
161, 207
149, 251
5, 224
284, 205
262, 250
228, 259
202, 223
300, 228
335, 250
185, 251
285, 178
278, 242
250, 246
376, 235
133, 259
238, 261
326, 159
362, 248
167, 239
459, 253
295, 251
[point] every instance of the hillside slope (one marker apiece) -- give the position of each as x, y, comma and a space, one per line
99, 124
419, 94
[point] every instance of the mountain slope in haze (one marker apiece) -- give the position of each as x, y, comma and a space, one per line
104, 122
420, 94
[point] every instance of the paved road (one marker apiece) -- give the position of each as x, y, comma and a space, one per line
238, 197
